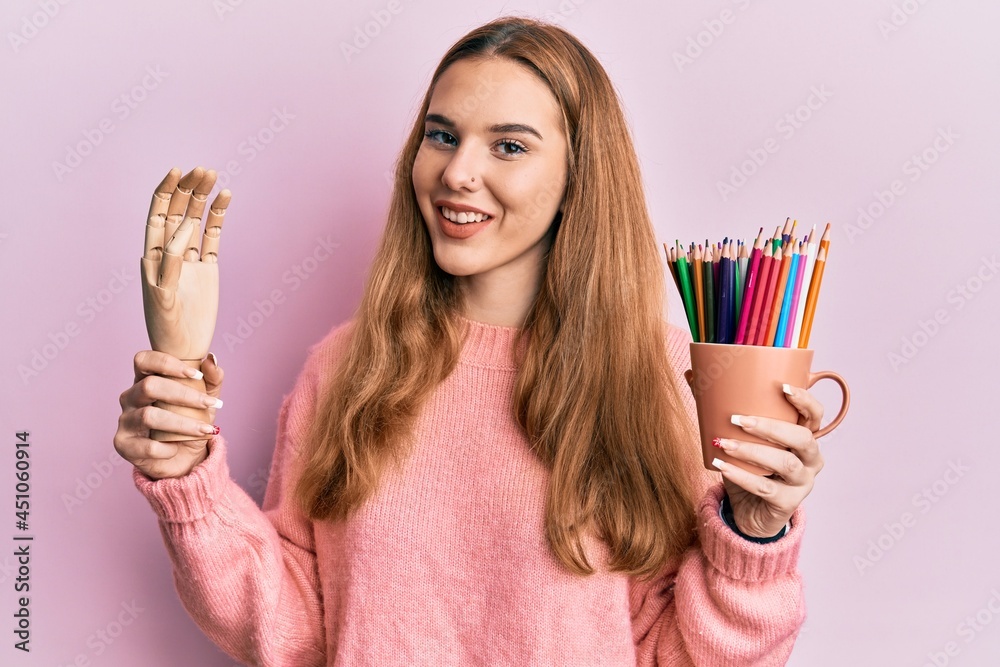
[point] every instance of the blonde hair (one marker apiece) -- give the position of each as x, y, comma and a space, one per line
594, 392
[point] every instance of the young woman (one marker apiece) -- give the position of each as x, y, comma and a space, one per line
495, 461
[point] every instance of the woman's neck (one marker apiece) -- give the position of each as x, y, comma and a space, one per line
501, 300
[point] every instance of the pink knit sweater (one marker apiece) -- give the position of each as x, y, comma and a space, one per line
448, 563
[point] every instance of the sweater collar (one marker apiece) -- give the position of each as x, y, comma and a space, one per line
489, 345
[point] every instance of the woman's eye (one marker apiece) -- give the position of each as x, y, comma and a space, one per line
439, 136
517, 145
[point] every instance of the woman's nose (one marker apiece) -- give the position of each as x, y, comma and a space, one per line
462, 170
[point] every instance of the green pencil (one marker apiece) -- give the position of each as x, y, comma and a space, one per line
684, 273
739, 265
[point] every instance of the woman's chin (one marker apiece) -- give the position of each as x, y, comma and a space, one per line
457, 266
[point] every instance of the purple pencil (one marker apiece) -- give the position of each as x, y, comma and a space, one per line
725, 296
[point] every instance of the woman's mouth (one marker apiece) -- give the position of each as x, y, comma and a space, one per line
460, 225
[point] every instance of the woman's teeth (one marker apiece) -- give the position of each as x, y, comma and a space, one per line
462, 218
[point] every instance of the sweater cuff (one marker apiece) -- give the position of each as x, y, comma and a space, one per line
741, 559
193, 496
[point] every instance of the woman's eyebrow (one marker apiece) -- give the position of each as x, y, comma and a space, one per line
498, 128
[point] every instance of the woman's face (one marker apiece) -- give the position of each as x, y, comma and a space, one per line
494, 143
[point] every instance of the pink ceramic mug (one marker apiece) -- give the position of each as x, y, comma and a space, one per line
729, 380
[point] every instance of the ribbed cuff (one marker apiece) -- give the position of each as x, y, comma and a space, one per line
192, 497
742, 559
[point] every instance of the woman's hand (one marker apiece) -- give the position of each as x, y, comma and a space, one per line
153, 382
180, 273
762, 505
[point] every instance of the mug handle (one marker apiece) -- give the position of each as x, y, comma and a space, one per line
816, 377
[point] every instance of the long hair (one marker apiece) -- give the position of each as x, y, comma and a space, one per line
594, 392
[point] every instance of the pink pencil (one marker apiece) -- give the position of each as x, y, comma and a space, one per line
766, 263
750, 289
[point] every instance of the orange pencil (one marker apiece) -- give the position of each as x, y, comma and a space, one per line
817, 279
779, 293
825, 241
765, 305
699, 293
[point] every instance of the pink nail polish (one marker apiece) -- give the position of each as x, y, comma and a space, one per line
216, 430
717, 442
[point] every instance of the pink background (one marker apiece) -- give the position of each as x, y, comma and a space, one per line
892, 576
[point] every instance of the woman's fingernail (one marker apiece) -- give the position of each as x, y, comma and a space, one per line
745, 422
787, 388
216, 430
215, 362
212, 402
209, 429
717, 442
194, 373
718, 463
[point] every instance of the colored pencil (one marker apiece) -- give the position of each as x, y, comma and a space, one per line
817, 281
751, 284
825, 241
699, 293
753, 322
804, 289
779, 293
734, 277
744, 267
709, 294
686, 293
796, 298
716, 256
760, 330
788, 296
671, 264
725, 294
786, 232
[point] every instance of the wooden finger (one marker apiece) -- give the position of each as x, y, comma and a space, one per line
213, 227
158, 214
170, 265
179, 200
195, 210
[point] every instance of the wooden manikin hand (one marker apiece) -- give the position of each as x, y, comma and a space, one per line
180, 274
